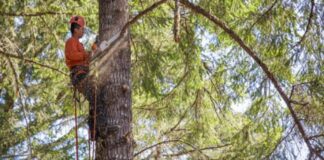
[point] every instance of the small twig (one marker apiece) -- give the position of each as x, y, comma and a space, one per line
298, 103
190, 151
264, 14
157, 144
13, 156
34, 14
316, 136
309, 23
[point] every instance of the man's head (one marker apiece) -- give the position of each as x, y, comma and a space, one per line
77, 26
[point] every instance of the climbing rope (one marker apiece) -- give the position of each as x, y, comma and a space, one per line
93, 131
76, 125
95, 113
94, 121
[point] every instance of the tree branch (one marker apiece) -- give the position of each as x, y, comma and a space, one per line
309, 23
152, 146
34, 14
190, 151
14, 156
316, 136
32, 62
262, 65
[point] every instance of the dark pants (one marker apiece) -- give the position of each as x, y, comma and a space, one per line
81, 81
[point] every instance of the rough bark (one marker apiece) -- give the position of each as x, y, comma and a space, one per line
114, 93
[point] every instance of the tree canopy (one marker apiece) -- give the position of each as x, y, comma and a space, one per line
244, 81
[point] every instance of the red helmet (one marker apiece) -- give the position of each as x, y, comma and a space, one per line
78, 20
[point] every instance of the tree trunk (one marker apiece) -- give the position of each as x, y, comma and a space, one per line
114, 88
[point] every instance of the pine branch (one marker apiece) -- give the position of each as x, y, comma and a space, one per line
262, 65
34, 14
32, 62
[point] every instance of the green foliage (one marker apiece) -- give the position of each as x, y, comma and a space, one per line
184, 92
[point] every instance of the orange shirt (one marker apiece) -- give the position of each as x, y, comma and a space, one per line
75, 53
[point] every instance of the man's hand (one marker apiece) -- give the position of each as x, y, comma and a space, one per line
94, 48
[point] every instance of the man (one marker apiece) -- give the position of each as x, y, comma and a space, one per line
77, 60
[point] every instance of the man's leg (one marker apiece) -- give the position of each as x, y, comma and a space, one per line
85, 86
88, 89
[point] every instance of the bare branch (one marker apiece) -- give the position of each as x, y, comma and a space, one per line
316, 136
299, 103
14, 156
262, 65
34, 14
32, 62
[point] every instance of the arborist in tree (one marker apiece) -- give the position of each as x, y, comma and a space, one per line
77, 59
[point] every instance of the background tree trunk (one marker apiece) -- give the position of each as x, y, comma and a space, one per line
114, 93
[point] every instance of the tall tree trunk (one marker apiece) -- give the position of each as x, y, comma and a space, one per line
114, 93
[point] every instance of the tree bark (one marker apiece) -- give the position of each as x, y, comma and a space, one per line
114, 88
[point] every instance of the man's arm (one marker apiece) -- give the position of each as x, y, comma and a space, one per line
72, 52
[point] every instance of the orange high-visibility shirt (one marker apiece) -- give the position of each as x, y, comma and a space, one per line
75, 53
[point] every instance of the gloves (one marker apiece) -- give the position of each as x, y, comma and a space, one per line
94, 47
